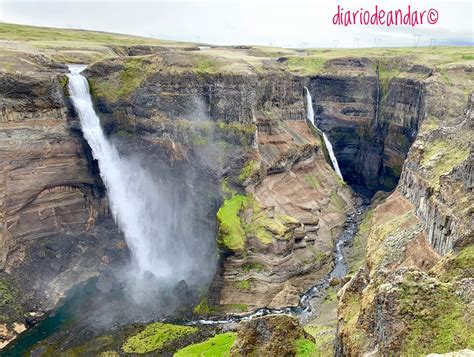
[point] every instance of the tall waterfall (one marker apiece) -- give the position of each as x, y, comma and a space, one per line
310, 115
161, 241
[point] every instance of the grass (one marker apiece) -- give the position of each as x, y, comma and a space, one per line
305, 65
337, 202
440, 157
263, 227
438, 318
135, 71
237, 307
459, 265
356, 255
231, 233
45, 35
156, 336
217, 346
203, 308
248, 267
243, 285
249, 169
312, 181
305, 348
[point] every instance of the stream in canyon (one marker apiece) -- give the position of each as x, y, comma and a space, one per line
131, 208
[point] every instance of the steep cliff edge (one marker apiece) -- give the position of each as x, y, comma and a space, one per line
413, 294
282, 206
227, 127
55, 227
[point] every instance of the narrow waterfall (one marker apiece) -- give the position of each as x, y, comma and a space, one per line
310, 115
160, 240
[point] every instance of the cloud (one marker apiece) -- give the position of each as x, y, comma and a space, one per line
227, 22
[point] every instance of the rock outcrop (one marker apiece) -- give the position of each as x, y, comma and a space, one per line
411, 296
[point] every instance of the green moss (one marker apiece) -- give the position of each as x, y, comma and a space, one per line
248, 267
249, 169
263, 227
305, 347
203, 308
356, 255
135, 70
217, 346
460, 265
10, 302
440, 157
206, 66
337, 202
312, 181
237, 307
438, 319
90, 348
156, 336
305, 65
244, 133
109, 354
231, 233
243, 285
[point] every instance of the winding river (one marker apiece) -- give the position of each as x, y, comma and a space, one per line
76, 305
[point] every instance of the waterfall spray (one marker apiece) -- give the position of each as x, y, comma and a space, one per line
310, 116
151, 217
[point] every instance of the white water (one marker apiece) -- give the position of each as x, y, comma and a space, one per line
150, 217
310, 115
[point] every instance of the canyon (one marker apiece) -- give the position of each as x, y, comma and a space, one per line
247, 177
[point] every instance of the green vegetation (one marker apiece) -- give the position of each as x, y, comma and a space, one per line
263, 227
243, 284
109, 354
217, 346
459, 265
244, 132
206, 66
203, 308
10, 301
438, 320
356, 255
249, 169
90, 348
231, 233
305, 65
337, 202
237, 307
305, 347
440, 157
248, 267
156, 336
312, 181
135, 71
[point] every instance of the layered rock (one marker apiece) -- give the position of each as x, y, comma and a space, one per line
52, 198
370, 118
411, 296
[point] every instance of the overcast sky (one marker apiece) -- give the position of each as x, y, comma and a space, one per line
279, 23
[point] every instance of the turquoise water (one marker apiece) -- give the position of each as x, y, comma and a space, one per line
70, 310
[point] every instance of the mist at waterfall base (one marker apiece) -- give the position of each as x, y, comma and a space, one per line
172, 251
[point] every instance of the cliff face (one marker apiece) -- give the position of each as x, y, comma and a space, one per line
227, 132
411, 296
283, 205
371, 117
52, 205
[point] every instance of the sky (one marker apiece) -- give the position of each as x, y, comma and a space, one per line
306, 23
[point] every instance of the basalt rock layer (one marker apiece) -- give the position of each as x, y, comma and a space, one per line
411, 296
226, 128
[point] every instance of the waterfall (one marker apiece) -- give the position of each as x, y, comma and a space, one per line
162, 242
310, 116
